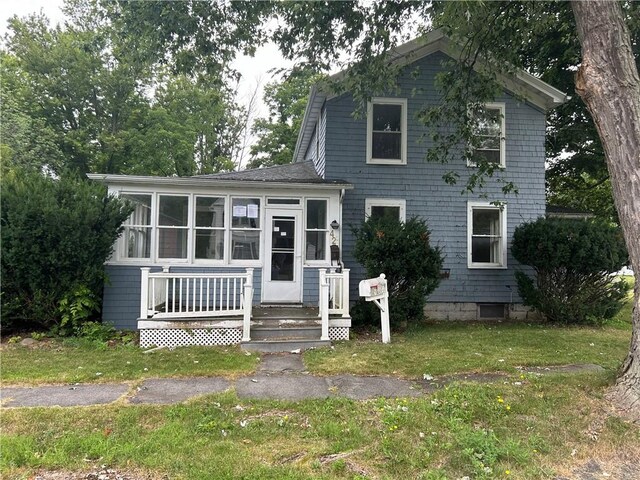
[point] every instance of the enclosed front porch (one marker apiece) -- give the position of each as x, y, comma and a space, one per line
183, 308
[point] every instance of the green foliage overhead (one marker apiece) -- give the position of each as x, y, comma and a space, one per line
277, 135
573, 261
56, 236
402, 251
90, 97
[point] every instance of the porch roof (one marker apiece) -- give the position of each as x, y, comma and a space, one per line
289, 176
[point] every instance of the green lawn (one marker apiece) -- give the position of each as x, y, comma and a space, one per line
523, 427
529, 427
59, 362
459, 347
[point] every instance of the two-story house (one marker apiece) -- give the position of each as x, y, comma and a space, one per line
199, 253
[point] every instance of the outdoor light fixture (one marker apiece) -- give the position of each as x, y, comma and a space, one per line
335, 225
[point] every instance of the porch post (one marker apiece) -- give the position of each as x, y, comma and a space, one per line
248, 305
324, 304
144, 292
345, 292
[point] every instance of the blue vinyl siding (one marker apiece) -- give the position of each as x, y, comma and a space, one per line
426, 194
121, 301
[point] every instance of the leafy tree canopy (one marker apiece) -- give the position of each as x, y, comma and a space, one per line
277, 134
90, 97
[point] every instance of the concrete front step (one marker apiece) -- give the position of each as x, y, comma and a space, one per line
286, 333
283, 345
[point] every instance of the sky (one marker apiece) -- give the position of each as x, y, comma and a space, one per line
254, 70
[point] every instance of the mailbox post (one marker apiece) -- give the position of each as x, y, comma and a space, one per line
375, 290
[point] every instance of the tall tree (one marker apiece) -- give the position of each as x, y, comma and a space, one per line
105, 103
609, 84
277, 134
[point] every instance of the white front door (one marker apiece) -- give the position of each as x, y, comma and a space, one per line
282, 276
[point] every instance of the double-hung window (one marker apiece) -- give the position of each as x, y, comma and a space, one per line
245, 229
136, 238
173, 226
316, 230
486, 232
387, 131
209, 228
385, 208
488, 145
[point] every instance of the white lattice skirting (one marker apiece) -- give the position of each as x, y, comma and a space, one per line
182, 337
338, 333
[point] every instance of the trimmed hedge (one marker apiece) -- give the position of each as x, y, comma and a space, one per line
401, 251
573, 261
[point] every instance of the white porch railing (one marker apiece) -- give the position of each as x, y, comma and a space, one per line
334, 296
179, 295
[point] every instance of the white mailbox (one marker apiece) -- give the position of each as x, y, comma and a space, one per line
375, 290
373, 287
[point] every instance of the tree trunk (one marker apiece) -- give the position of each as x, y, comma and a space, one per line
608, 82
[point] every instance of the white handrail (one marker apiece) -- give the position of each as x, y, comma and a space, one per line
333, 296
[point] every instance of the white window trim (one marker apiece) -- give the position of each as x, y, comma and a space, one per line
224, 228
305, 230
403, 130
503, 233
119, 245
188, 228
386, 202
503, 140
256, 262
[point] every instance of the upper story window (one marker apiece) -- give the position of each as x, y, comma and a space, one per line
385, 208
387, 131
489, 132
486, 235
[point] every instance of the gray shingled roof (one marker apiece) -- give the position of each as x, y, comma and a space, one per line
302, 172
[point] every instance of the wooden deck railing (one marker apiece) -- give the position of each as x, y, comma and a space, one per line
185, 295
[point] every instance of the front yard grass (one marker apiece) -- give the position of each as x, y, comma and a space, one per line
56, 361
526, 428
443, 348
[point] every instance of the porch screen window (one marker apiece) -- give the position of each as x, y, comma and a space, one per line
316, 230
488, 144
487, 242
387, 131
173, 226
136, 238
245, 229
209, 228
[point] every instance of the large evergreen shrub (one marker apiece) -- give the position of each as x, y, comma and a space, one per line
573, 261
56, 236
402, 251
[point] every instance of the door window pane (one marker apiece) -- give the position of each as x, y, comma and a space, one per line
282, 248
